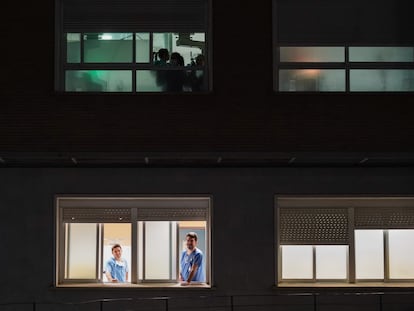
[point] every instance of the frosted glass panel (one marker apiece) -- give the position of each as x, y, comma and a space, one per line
297, 262
312, 80
73, 53
98, 81
142, 47
385, 80
331, 261
108, 48
401, 248
312, 54
81, 251
157, 250
381, 54
369, 254
117, 234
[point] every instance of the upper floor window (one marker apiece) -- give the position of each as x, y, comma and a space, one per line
132, 241
349, 49
133, 46
345, 69
347, 240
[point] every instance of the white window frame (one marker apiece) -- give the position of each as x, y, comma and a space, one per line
362, 212
134, 210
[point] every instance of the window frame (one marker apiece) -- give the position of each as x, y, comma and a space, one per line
351, 204
188, 205
61, 64
346, 66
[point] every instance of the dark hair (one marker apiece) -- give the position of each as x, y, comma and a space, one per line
163, 54
115, 246
192, 235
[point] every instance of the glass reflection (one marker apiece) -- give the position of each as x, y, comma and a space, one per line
381, 80
107, 47
98, 81
171, 80
312, 80
312, 54
73, 53
381, 54
142, 43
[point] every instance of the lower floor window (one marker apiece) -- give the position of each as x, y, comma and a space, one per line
130, 240
346, 240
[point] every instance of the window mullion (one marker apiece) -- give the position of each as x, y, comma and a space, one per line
351, 246
314, 262
100, 252
386, 257
134, 246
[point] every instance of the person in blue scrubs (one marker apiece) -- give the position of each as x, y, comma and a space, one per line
191, 262
116, 269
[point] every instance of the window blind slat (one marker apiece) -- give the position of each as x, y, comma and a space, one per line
313, 226
384, 218
96, 215
147, 15
172, 214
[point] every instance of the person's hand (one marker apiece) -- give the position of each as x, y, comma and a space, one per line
185, 283
114, 281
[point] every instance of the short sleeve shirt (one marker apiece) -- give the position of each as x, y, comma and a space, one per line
188, 260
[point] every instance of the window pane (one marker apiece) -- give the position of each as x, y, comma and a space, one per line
150, 81
312, 54
73, 48
297, 262
117, 234
384, 80
108, 48
331, 261
401, 249
157, 250
189, 45
381, 54
173, 80
312, 80
369, 254
198, 227
98, 81
81, 248
142, 47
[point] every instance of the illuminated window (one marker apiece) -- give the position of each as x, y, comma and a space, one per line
133, 47
151, 232
330, 240
347, 50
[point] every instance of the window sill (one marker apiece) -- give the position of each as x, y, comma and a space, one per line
130, 285
351, 285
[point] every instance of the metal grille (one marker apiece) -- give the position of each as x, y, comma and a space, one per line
98, 215
384, 218
313, 226
172, 214
142, 15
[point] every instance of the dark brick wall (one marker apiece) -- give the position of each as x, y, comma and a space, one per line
241, 114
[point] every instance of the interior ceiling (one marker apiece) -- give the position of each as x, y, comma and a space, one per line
205, 159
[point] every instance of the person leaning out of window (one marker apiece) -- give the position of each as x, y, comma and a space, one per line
116, 269
191, 262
